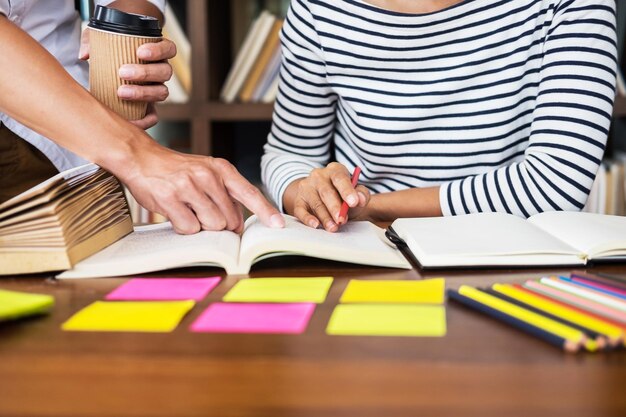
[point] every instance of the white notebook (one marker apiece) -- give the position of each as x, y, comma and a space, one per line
497, 239
157, 247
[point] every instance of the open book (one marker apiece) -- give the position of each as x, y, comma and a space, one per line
157, 247
61, 221
497, 239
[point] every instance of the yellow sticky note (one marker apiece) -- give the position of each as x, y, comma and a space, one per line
280, 290
15, 304
126, 316
429, 291
387, 320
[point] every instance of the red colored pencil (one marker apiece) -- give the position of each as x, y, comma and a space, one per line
344, 207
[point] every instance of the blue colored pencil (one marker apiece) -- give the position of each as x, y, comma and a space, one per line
521, 325
593, 287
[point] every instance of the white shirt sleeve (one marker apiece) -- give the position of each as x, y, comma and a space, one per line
5, 7
158, 3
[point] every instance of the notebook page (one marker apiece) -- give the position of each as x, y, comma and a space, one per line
479, 239
157, 247
590, 233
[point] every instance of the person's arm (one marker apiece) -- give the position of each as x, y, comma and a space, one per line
304, 113
194, 192
570, 124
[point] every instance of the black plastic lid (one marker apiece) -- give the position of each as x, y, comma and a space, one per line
113, 20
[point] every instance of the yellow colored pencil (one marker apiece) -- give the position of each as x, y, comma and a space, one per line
614, 334
574, 337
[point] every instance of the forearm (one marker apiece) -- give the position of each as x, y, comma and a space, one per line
37, 91
414, 202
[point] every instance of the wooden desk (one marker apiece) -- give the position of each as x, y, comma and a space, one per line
481, 368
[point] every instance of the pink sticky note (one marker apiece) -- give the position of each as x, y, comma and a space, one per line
170, 289
289, 318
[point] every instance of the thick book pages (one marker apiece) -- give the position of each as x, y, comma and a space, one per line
158, 247
497, 239
61, 221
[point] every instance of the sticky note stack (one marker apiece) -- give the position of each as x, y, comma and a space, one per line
265, 305
390, 308
143, 305
16, 305
575, 312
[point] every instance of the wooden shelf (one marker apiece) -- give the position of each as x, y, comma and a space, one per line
174, 111
225, 112
215, 111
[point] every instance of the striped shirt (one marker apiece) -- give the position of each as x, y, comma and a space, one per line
506, 104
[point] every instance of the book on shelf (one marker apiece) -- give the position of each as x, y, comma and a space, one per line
267, 56
255, 61
180, 83
62, 221
499, 239
158, 247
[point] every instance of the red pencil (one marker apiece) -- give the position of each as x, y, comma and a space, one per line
355, 179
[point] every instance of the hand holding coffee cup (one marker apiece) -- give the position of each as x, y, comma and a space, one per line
128, 63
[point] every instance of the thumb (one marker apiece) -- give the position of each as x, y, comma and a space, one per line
83, 53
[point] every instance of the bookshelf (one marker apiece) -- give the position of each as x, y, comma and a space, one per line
208, 24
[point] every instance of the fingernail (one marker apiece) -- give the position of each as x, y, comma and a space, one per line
330, 225
125, 92
277, 221
314, 224
352, 200
144, 53
126, 72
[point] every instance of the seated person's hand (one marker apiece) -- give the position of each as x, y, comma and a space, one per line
154, 74
317, 199
195, 192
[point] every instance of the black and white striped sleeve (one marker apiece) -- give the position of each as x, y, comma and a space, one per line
570, 122
304, 112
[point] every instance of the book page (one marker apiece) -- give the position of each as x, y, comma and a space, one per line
482, 239
157, 247
356, 242
590, 233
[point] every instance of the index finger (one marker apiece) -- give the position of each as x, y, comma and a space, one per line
250, 196
157, 51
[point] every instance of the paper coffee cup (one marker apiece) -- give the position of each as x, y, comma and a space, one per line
113, 41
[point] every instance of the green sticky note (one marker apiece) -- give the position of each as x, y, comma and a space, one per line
126, 316
429, 291
280, 290
14, 305
387, 320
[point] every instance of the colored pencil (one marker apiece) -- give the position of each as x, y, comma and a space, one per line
562, 343
581, 302
523, 314
598, 286
576, 308
344, 206
613, 334
600, 279
585, 293
595, 341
